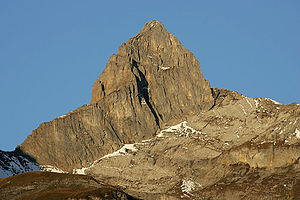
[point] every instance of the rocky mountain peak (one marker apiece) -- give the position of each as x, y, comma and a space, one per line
152, 26
154, 59
151, 81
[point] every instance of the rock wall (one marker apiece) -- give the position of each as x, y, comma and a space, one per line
152, 80
160, 71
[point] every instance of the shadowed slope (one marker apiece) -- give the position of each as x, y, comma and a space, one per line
46, 185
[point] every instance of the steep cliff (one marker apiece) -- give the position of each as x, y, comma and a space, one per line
151, 81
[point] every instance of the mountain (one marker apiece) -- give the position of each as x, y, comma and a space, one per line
155, 129
151, 81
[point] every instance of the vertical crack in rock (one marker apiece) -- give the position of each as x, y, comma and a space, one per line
215, 95
113, 130
143, 93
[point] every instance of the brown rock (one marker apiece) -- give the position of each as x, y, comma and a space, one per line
152, 80
160, 71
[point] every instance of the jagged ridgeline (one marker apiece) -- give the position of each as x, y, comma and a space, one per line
152, 80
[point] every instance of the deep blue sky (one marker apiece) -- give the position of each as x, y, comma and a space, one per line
51, 52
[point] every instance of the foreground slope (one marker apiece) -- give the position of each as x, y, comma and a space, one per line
152, 80
46, 185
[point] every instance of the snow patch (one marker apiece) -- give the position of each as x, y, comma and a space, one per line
226, 143
297, 132
243, 109
181, 129
188, 186
49, 168
79, 171
152, 24
161, 134
249, 102
122, 151
256, 103
275, 102
146, 141
164, 68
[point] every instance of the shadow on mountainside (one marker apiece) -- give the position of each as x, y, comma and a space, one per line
20, 152
143, 94
16, 162
48, 185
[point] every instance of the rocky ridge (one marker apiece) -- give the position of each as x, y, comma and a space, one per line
242, 148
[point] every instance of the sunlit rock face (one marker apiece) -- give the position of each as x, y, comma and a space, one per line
151, 81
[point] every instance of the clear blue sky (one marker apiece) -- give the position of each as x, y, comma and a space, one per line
51, 52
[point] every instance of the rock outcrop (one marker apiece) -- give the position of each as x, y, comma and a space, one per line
242, 148
151, 81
